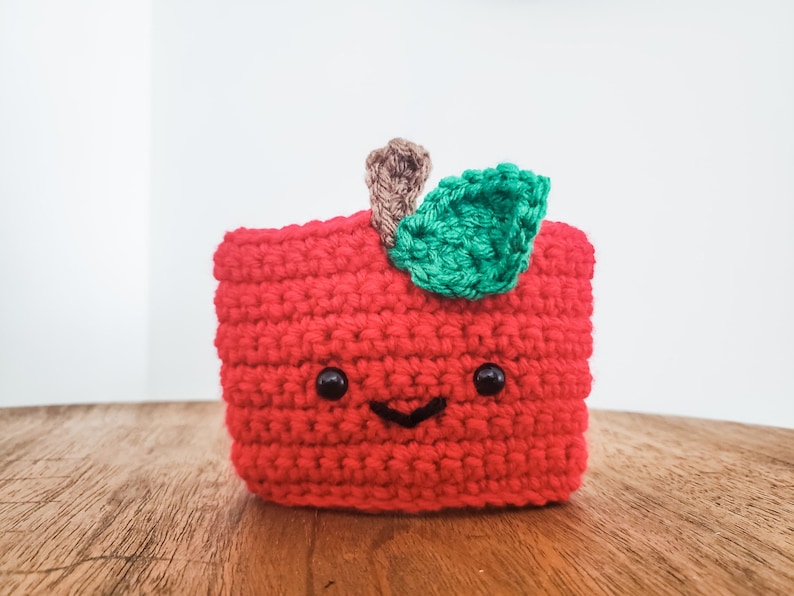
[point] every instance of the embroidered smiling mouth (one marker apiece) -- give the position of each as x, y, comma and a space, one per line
433, 407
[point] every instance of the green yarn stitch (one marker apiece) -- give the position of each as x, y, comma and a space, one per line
472, 236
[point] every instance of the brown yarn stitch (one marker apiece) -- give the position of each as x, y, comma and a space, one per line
395, 176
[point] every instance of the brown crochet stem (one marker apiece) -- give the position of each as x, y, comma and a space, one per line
396, 174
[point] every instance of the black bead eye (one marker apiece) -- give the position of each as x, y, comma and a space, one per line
489, 379
331, 383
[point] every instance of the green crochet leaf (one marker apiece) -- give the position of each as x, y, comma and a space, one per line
472, 236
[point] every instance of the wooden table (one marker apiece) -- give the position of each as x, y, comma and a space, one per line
140, 498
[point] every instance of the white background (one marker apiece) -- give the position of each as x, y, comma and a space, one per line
133, 135
75, 91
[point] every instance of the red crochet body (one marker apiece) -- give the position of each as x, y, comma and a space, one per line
293, 301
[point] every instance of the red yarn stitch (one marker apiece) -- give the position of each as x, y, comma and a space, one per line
293, 301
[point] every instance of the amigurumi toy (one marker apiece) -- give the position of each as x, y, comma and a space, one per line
406, 358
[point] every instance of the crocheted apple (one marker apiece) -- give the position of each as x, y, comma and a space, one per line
410, 359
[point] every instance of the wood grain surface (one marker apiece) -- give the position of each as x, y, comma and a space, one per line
113, 499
